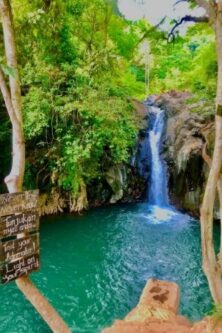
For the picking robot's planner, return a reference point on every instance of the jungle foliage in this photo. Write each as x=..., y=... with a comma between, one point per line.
x=76, y=70
x=186, y=63
x=80, y=63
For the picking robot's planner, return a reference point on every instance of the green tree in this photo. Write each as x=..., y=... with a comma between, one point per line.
x=79, y=69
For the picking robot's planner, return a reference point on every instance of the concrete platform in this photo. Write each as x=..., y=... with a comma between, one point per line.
x=157, y=312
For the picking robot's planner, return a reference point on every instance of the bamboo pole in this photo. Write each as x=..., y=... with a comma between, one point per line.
x=40, y=303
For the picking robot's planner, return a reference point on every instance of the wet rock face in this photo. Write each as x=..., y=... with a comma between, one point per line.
x=184, y=157
x=141, y=159
x=187, y=130
x=122, y=184
x=116, y=177
x=126, y=184
x=186, y=134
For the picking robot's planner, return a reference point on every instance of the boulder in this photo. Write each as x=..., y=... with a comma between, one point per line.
x=117, y=179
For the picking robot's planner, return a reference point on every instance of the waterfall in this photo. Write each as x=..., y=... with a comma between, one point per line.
x=158, y=181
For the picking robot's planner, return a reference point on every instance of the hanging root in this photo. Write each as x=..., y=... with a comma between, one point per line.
x=50, y=204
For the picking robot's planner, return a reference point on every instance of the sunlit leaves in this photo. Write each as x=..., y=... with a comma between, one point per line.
x=77, y=76
x=187, y=63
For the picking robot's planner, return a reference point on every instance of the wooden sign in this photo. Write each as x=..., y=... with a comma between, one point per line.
x=15, y=224
x=19, y=248
x=11, y=203
x=14, y=270
x=19, y=237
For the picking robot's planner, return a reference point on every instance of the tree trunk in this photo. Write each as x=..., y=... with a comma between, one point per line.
x=211, y=264
x=14, y=180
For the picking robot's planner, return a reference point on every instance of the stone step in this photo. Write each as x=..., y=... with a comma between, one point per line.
x=161, y=294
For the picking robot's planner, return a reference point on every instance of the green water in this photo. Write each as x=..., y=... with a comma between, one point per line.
x=95, y=266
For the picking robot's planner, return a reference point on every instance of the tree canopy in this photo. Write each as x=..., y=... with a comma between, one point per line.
x=81, y=63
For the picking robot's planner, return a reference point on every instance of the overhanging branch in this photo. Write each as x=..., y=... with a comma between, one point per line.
x=210, y=6
x=185, y=19
x=179, y=1
x=150, y=31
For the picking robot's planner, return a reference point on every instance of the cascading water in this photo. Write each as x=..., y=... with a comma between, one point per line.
x=157, y=195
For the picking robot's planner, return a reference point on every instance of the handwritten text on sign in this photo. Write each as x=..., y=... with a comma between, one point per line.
x=19, y=248
x=11, y=203
x=20, y=268
x=14, y=224
x=19, y=237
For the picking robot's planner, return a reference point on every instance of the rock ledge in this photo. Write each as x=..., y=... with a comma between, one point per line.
x=157, y=312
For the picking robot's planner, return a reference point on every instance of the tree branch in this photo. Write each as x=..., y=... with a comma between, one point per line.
x=7, y=99
x=147, y=33
x=210, y=6
x=205, y=156
x=187, y=18
x=208, y=160
x=11, y=55
x=179, y=1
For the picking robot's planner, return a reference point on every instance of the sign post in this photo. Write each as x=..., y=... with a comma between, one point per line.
x=19, y=235
x=19, y=251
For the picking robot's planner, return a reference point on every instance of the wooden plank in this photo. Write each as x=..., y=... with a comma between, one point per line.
x=11, y=203
x=16, y=249
x=15, y=224
x=17, y=269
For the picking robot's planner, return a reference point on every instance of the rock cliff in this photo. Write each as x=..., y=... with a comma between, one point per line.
x=189, y=128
